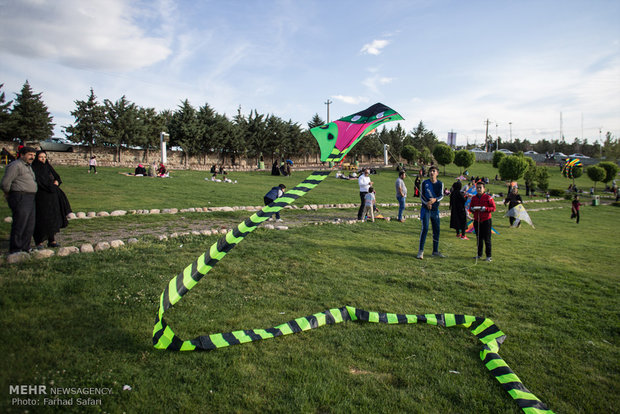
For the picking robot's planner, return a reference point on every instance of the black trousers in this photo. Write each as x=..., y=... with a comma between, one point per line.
x=23, y=207
x=483, y=234
x=269, y=201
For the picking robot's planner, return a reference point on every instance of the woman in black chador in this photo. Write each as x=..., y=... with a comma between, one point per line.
x=458, y=218
x=52, y=205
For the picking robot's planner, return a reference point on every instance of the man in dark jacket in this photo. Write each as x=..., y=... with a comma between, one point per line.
x=274, y=193
x=20, y=187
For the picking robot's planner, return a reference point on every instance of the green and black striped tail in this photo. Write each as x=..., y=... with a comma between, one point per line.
x=163, y=336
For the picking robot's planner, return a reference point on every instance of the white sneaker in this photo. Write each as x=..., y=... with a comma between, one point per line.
x=279, y=220
x=420, y=255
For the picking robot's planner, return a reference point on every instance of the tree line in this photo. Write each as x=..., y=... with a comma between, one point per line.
x=203, y=132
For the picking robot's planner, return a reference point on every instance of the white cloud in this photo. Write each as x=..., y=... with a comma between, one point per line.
x=373, y=82
x=351, y=99
x=97, y=34
x=374, y=48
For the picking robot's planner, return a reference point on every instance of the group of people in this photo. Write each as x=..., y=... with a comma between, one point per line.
x=39, y=207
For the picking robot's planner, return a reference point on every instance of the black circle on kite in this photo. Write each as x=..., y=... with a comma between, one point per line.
x=330, y=136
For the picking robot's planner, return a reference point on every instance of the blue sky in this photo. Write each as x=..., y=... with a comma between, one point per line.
x=450, y=64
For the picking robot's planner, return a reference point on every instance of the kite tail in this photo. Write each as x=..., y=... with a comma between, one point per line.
x=163, y=336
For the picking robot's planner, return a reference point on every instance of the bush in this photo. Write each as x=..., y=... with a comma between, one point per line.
x=596, y=174
x=497, y=157
x=444, y=155
x=512, y=167
x=464, y=159
x=554, y=192
x=611, y=170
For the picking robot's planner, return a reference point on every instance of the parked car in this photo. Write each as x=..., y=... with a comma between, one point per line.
x=477, y=150
x=506, y=151
x=56, y=144
x=578, y=155
x=530, y=153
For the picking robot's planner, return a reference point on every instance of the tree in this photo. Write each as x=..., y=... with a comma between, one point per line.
x=422, y=138
x=464, y=159
x=410, y=153
x=444, y=155
x=123, y=124
x=153, y=124
x=512, y=167
x=5, y=118
x=31, y=119
x=425, y=156
x=497, y=157
x=611, y=170
x=530, y=177
x=596, y=173
x=184, y=129
x=542, y=178
x=90, y=117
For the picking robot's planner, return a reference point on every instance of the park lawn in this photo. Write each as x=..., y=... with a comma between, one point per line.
x=86, y=320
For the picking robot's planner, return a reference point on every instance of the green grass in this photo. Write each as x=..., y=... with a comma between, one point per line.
x=86, y=320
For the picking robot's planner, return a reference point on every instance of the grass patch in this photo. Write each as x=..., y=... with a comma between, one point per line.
x=86, y=320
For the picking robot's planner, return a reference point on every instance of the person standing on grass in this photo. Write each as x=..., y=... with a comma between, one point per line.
x=274, y=193
x=369, y=205
x=513, y=199
x=482, y=205
x=364, y=183
x=431, y=194
x=92, y=164
x=401, y=194
x=575, y=208
x=417, y=184
x=20, y=187
x=458, y=217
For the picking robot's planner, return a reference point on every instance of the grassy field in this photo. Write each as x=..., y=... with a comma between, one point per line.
x=86, y=320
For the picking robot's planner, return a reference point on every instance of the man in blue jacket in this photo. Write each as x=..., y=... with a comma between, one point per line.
x=431, y=194
x=273, y=194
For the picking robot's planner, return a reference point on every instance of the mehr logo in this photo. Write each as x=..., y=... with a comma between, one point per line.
x=27, y=389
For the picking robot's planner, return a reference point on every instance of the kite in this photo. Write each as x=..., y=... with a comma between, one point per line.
x=470, y=228
x=335, y=140
x=520, y=214
x=569, y=167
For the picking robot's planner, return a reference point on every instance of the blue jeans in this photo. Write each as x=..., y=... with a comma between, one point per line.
x=425, y=214
x=401, y=206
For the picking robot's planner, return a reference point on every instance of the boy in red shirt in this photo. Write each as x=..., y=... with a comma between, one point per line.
x=482, y=205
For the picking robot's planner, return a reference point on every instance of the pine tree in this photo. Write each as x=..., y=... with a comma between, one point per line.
x=31, y=118
x=89, y=122
x=123, y=124
x=5, y=118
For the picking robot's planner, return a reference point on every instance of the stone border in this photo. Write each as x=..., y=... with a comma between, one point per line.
x=115, y=244
x=253, y=209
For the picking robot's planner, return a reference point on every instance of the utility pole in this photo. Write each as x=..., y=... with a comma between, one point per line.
x=510, y=123
x=328, y=103
x=486, y=137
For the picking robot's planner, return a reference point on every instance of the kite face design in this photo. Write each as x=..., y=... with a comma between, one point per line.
x=335, y=140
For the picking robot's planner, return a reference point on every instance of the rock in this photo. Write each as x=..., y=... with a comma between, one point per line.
x=17, y=257
x=174, y=210
x=102, y=246
x=183, y=210
x=117, y=213
x=71, y=216
x=132, y=211
x=133, y=240
x=165, y=211
x=269, y=226
x=43, y=254
x=163, y=237
x=154, y=211
x=66, y=251
x=205, y=232
x=91, y=214
x=80, y=215
x=227, y=209
x=191, y=210
x=281, y=227
x=8, y=219
x=185, y=233
x=223, y=231
x=103, y=214
x=196, y=233
x=175, y=234
x=86, y=248
x=115, y=244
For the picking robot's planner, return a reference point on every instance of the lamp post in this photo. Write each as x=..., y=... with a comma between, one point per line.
x=163, y=138
x=328, y=102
